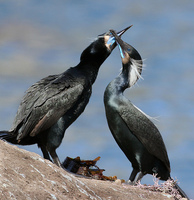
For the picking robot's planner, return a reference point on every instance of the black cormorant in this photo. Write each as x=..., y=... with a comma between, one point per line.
x=134, y=132
x=51, y=105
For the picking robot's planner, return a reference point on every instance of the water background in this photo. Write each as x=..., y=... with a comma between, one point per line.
x=39, y=38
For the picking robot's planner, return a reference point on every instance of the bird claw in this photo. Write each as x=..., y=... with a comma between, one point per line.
x=129, y=182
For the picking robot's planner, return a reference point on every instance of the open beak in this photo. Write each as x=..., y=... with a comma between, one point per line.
x=124, y=30
x=111, y=42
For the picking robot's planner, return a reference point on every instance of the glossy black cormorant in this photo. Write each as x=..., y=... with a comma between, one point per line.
x=134, y=132
x=51, y=105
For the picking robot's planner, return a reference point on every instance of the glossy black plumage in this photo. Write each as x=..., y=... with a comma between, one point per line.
x=134, y=132
x=51, y=105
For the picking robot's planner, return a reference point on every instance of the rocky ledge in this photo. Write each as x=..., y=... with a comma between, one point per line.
x=25, y=175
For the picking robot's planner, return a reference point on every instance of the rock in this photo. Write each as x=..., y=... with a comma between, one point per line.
x=25, y=175
x=118, y=182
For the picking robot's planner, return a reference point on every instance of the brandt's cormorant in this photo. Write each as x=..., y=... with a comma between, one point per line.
x=134, y=132
x=51, y=105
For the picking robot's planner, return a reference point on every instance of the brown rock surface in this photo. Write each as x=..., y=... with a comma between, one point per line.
x=25, y=175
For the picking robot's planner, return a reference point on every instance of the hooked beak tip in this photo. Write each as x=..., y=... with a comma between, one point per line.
x=120, y=33
x=111, y=43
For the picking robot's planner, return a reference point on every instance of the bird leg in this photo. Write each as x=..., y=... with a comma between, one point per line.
x=45, y=152
x=133, y=180
x=139, y=177
x=55, y=158
x=132, y=176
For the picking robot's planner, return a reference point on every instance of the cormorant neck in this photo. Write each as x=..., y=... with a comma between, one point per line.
x=92, y=58
x=119, y=84
x=90, y=70
x=122, y=80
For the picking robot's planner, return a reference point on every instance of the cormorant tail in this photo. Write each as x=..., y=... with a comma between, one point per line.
x=182, y=193
x=8, y=136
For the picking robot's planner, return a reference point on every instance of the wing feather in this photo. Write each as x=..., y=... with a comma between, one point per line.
x=145, y=130
x=45, y=102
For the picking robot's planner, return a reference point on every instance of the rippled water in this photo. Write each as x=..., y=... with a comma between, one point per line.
x=42, y=38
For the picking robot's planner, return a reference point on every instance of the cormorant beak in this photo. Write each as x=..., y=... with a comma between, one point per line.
x=124, y=30
x=122, y=47
x=124, y=55
x=110, y=40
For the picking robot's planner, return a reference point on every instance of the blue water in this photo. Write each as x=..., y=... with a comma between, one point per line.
x=47, y=37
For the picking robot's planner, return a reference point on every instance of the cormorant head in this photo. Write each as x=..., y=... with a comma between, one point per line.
x=131, y=60
x=109, y=39
x=101, y=47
